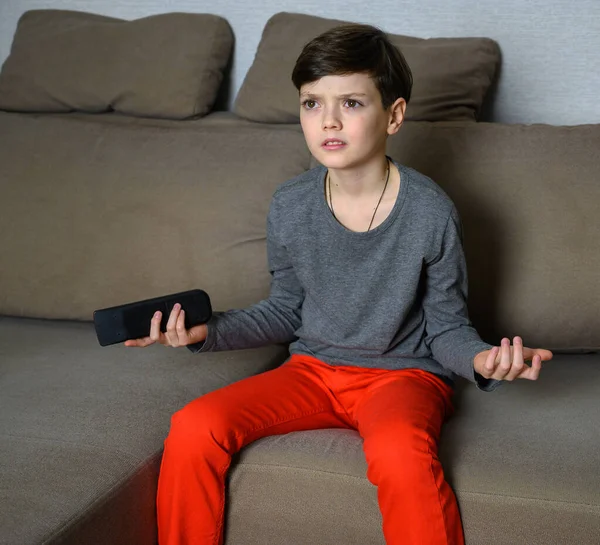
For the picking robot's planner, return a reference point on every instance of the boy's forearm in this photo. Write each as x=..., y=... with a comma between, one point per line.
x=259, y=325
x=456, y=350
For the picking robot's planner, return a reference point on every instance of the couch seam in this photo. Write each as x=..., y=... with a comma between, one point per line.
x=526, y=498
x=306, y=469
x=457, y=490
x=91, y=446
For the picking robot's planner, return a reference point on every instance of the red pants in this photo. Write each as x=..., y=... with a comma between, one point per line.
x=399, y=415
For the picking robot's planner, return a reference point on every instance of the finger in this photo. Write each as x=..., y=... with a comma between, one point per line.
x=504, y=365
x=518, y=365
x=146, y=341
x=490, y=363
x=171, y=332
x=155, y=327
x=545, y=355
x=182, y=334
x=533, y=372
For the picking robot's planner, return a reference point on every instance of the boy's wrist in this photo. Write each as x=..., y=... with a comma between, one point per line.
x=199, y=334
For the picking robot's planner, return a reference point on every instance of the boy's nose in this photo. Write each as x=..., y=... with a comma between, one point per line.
x=331, y=120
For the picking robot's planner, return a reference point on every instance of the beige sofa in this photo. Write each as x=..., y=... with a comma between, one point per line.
x=103, y=208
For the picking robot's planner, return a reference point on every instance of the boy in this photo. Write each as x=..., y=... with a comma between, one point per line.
x=369, y=285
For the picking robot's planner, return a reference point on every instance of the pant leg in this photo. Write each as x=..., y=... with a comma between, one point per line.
x=208, y=431
x=400, y=418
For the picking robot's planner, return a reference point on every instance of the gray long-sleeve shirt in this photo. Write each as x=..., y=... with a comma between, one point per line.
x=393, y=297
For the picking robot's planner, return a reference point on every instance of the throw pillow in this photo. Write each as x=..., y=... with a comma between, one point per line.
x=165, y=66
x=450, y=75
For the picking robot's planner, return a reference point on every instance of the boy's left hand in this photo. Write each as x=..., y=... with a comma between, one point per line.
x=508, y=363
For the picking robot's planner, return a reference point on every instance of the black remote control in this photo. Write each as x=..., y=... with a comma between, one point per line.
x=132, y=320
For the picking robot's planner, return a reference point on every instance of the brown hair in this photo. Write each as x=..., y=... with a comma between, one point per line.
x=354, y=48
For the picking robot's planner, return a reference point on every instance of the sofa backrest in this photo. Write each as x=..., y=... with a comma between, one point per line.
x=529, y=199
x=95, y=214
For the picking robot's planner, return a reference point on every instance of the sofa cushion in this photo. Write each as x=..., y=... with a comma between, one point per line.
x=96, y=214
x=522, y=461
x=167, y=66
x=213, y=119
x=451, y=75
x=82, y=429
x=528, y=196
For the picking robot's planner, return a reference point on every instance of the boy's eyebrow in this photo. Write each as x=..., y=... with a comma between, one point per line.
x=345, y=95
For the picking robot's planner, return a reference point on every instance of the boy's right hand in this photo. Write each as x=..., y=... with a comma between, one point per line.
x=176, y=334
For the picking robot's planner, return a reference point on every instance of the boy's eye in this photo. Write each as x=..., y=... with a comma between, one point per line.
x=352, y=103
x=309, y=104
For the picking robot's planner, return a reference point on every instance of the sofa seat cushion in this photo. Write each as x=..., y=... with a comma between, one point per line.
x=82, y=429
x=522, y=460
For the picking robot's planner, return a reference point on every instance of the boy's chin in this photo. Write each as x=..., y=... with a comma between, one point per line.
x=338, y=161
x=334, y=159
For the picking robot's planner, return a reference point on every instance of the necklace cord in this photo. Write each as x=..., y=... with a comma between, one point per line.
x=378, y=203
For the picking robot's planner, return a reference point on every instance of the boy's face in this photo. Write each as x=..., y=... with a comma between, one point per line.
x=347, y=110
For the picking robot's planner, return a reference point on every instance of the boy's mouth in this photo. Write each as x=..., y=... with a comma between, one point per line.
x=332, y=144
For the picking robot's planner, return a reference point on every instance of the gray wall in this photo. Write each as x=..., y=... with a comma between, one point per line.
x=551, y=61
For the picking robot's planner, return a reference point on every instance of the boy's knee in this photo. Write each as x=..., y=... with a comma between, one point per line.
x=197, y=423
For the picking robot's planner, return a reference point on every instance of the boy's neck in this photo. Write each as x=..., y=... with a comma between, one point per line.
x=361, y=181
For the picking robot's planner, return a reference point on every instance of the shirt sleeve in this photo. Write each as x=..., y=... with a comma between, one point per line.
x=452, y=339
x=271, y=321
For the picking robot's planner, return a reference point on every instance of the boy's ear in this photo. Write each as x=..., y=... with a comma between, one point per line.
x=397, y=110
